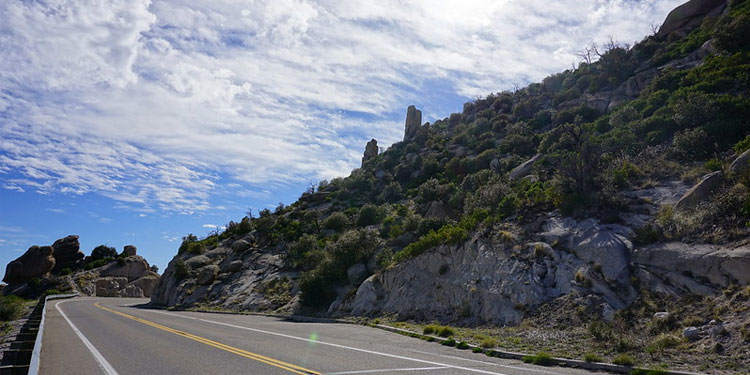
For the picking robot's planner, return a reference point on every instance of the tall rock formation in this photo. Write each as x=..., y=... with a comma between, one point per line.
x=371, y=151
x=689, y=15
x=66, y=252
x=35, y=262
x=413, y=122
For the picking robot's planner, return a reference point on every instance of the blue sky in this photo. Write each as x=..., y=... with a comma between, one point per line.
x=137, y=121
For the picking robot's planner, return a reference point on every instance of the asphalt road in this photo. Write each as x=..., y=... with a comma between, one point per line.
x=114, y=336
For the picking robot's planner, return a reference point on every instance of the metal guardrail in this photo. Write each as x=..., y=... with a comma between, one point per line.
x=37, y=351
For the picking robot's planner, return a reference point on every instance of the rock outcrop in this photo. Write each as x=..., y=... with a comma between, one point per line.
x=690, y=15
x=371, y=151
x=740, y=165
x=126, y=277
x=524, y=169
x=231, y=276
x=130, y=250
x=707, y=186
x=413, y=122
x=66, y=252
x=35, y=262
x=675, y=268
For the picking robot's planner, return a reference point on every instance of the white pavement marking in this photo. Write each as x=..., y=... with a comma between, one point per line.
x=486, y=362
x=105, y=366
x=385, y=370
x=334, y=345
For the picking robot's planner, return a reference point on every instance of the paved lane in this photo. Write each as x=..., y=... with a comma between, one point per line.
x=116, y=337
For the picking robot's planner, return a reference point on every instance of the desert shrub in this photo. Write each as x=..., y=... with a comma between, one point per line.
x=488, y=342
x=430, y=329
x=624, y=360
x=65, y=271
x=742, y=145
x=101, y=252
x=181, y=270
x=445, y=331
x=733, y=34
x=713, y=165
x=691, y=144
x=590, y=357
x=370, y=214
x=97, y=263
x=186, y=241
x=449, y=342
x=299, y=252
x=337, y=221
x=462, y=345
x=540, y=359
x=662, y=342
x=11, y=307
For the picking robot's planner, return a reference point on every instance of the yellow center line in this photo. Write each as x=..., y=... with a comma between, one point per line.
x=243, y=353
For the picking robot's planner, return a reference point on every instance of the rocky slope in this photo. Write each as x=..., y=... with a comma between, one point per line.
x=64, y=268
x=619, y=188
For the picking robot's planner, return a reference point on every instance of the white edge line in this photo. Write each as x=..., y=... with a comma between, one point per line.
x=385, y=370
x=105, y=366
x=36, y=353
x=335, y=345
x=487, y=362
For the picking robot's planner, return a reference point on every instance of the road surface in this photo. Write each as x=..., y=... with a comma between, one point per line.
x=115, y=336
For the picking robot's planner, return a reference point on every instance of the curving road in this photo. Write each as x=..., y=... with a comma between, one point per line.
x=115, y=336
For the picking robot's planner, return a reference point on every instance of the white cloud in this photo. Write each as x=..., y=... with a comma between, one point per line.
x=56, y=210
x=210, y=226
x=161, y=105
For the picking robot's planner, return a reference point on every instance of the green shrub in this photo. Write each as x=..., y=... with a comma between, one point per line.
x=713, y=165
x=181, y=270
x=445, y=331
x=50, y=292
x=449, y=342
x=462, y=345
x=654, y=371
x=589, y=357
x=98, y=263
x=742, y=145
x=337, y=221
x=624, y=360
x=186, y=241
x=11, y=307
x=541, y=359
x=488, y=342
x=370, y=214
x=430, y=329
x=102, y=251
x=663, y=342
x=65, y=271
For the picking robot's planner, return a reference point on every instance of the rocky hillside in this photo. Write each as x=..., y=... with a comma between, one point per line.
x=63, y=268
x=619, y=187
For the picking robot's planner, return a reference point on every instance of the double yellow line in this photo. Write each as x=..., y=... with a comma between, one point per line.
x=243, y=353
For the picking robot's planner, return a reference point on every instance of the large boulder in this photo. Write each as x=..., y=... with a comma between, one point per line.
x=703, y=190
x=524, y=169
x=130, y=250
x=111, y=286
x=207, y=274
x=35, y=262
x=413, y=122
x=66, y=252
x=356, y=273
x=695, y=267
x=371, y=151
x=740, y=164
x=146, y=283
x=689, y=15
x=130, y=268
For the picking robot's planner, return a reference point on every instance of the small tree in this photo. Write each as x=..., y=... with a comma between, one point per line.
x=101, y=252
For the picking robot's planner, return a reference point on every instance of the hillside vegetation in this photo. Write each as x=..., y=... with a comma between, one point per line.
x=610, y=145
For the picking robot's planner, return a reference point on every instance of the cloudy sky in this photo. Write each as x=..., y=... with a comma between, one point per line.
x=137, y=121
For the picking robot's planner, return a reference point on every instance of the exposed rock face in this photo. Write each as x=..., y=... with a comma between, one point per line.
x=689, y=15
x=130, y=268
x=130, y=250
x=371, y=151
x=674, y=268
x=128, y=277
x=701, y=191
x=413, y=122
x=524, y=169
x=66, y=252
x=436, y=211
x=35, y=262
x=356, y=273
x=207, y=274
x=740, y=165
x=242, y=275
